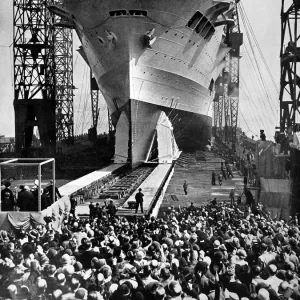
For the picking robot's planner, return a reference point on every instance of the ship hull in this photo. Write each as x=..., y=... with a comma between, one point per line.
x=174, y=74
x=192, y=131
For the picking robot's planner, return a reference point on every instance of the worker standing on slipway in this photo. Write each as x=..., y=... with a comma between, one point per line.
x=229, y=171
x=139, y=200
x=220, y=178
x=223, y=171
x=213, y=178
x=185, y=187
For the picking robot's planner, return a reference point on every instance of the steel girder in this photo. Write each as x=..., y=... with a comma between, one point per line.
x=34, y=79
x=289, y=96
x=228, y=98
x=95, y=100
x=234, y=98
x=63, y=49
x=218, y=107
x=226, y=79
x=220, y=115
x=216, y=118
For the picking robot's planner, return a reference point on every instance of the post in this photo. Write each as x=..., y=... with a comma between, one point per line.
x=53, y=178
x=39, y=187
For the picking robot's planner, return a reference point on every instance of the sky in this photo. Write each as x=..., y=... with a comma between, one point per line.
x=257, y=109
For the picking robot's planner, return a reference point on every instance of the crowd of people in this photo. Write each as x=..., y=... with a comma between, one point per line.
x=26, y=199
x=213, y=252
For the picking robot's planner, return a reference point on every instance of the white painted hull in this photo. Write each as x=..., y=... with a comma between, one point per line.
x=176, y=72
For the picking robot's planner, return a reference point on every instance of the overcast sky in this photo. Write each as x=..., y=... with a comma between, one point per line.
x=255, y=106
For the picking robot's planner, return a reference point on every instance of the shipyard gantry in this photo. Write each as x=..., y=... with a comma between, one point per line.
x=43, y=77
x=34, y=75
x=290, y=67
x=289, y=97
x=226, y=100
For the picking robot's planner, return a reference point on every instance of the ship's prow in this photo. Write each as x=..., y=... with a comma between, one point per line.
x=154, y=60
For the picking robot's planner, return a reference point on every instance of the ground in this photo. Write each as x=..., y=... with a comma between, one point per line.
x=196, y=169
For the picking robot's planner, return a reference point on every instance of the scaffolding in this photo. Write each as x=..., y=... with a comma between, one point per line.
x=34, y=78
x=43, y=76
x=63, y=48
x=95, y=100
x=236, y=41
x=226, y=99
x=289, y=96
x=290, y=58
x=218, y=108
x=234, y=93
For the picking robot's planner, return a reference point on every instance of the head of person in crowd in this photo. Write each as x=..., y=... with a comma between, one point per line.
x=189, y=253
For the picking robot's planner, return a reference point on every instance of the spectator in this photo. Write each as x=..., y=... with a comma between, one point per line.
x=7, y=198
x=92, y=210
x=202, y=253
x=111, y=208
x=273, y=280
x=231, y=196
x=25, y=199
x=45, y=199
x=57, y=193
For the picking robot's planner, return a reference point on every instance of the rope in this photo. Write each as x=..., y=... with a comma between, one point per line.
x=257, y=121
x=259, y=49
x=246, y=123
x=253, y=79
x=245, y=87
x=262, y=82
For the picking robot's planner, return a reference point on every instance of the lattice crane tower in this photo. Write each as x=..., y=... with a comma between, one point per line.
x=289, y=96
x=226, y=99
x=43, y=76
x=34, y=78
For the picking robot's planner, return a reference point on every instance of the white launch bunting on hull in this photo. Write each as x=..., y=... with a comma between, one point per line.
x=122, y=138
x=167, y=146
